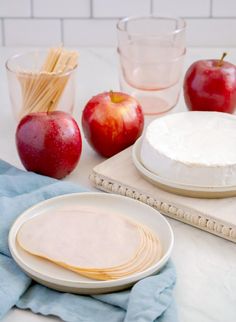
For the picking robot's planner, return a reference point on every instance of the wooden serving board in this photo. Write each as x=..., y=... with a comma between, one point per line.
x=119, y=175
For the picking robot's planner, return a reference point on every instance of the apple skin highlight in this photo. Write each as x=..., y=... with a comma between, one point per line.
x=210, y=85
x=112, y=121
x=49, y=143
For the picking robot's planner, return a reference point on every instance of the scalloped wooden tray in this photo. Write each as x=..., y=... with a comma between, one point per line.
x=119, y=175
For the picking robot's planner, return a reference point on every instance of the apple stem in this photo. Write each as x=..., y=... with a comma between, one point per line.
x=111, y=95
x=220, y=62
x=115, y=97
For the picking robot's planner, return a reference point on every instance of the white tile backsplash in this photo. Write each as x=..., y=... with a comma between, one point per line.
x=35, y=32
x=92, y=22
x=90, y=32
x=121, y=8
x=224, y=8
x=1, y=40
x=15, y=8
x=61, y=8
x=211, y=32
x=182, y=8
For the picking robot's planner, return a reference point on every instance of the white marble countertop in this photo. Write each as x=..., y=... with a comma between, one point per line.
x=206, y=264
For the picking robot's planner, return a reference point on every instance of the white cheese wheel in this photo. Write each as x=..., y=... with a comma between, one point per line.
x=192, y=148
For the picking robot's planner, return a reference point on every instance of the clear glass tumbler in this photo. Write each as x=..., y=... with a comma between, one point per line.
x=34, y=91
x=151, y=51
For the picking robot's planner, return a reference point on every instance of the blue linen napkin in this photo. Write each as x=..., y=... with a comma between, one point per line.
x=148, y=300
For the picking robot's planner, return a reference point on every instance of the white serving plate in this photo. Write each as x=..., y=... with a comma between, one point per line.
x=178, y=188
x=58, y=278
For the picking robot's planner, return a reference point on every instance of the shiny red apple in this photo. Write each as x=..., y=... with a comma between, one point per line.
x=49, y=143
x=112, y=121
x=210, y=85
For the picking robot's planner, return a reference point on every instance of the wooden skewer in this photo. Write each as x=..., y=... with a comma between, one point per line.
x=42, y=90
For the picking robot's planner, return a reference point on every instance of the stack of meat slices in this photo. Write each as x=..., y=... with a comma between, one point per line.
x=101, y=246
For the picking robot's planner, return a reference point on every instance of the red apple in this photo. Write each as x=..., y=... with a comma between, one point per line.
x=210, y=85
x=49, y=143
x=112, y=121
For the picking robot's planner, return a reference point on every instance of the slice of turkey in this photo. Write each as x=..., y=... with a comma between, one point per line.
x=81, y=238
x=147, y=255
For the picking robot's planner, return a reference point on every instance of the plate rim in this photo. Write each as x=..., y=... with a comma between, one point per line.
x=87, y=284
x=166, y=182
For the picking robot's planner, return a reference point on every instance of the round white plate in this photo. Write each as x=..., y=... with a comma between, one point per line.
x=178, y=188
x=58, y=278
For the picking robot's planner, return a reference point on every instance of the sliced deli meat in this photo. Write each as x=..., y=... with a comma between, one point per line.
x=97, y=245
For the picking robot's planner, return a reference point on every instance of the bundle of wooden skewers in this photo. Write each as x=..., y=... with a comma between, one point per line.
x=42, y=90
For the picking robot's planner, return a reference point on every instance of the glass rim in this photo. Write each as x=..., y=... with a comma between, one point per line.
x=17, y=70
x=133, y=18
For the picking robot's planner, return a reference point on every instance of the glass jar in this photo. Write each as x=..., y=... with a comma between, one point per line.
x=33, y=90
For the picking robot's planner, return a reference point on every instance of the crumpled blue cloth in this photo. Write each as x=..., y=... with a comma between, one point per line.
x=148, y=300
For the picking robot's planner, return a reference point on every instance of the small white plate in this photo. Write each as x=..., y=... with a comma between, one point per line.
x=58, y=278
x=178, y=188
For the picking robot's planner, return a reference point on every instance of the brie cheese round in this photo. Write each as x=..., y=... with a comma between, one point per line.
x=193, y=148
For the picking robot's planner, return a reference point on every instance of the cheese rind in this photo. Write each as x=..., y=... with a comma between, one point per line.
x=193, y=148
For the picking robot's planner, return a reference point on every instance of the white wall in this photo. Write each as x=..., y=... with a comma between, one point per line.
x=92, y=22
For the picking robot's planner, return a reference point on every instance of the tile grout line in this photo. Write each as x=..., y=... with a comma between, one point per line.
x=91, y=8
x=109, y=18
x=31, y=8
x=3, y=33
x=151, y=7
x=62, y=31
x=211, y=8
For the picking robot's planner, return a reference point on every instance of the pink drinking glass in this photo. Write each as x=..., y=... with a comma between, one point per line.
x=151, y=51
